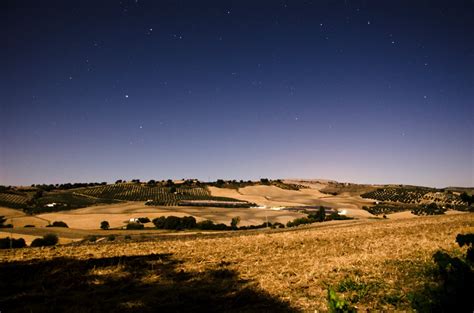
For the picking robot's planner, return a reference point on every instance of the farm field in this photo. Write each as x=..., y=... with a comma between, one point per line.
x=375, y=264
x=270, y=199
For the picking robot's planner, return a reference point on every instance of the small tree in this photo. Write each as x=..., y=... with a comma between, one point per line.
x=235, y=222
x=47, y=240
x=466, y=198
x=58, y=224
x=2, y=221
x=135, y=226
x=321, y=214
x=104, y=225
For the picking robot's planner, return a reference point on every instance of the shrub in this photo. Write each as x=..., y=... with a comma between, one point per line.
x=456, y=278
x=38, y=242
x=58, y=224
x=205, y=225
x=127, y=237
x=26, y=226
x=234, y=222
x=50, y=239
x=110, y=237
x=7, y=242
x=47, y=240
x=135, y=226
x=336, y=304
x=91, y=238
x=144, y=220
x=278, y=225
x=104, y=225
x=174, y=222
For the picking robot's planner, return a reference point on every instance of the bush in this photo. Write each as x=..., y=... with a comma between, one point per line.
x=104, y=225
x=27, y=226
x=278, y=225
x=7, y=242
x=38, y=242
x=456, y=278
x=50, y=239
x=91, y=238
x=174, y=222
x=110, y=237
x=58, y=224
x=135, y=226
x=234, y=222
x=144, y=220
x=47, y=240
x=336, y=304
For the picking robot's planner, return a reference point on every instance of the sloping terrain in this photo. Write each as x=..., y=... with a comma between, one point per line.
x=380, y=265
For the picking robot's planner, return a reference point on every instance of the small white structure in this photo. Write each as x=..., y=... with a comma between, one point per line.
x=51, y=205
x=134, y=220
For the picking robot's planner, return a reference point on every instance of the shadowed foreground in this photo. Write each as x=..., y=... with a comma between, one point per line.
x=128, y=284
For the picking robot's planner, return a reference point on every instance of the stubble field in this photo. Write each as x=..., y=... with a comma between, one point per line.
x=375, y=264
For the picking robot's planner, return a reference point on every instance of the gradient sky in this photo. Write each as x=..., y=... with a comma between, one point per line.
x=360, y=91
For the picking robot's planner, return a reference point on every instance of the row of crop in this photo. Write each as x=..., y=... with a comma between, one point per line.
x=12, y=200
x=158, y=195
x=396, y=195
x=380, y=209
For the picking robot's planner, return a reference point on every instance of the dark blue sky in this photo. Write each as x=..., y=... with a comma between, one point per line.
x=362, y=91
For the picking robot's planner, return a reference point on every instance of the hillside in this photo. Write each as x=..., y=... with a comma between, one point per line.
x=376, y=265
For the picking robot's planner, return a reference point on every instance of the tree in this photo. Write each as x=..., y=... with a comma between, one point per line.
x=466, y=198
x=8, y=242
x=135, y=226
x=58, y=224
x=265, y=181
x=144, y=220
x=47, y=240
x=2, y=221
x=235, y=222
x=321, y=214
x=104, y=225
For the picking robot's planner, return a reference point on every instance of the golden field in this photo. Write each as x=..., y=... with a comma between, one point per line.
x=385, y=262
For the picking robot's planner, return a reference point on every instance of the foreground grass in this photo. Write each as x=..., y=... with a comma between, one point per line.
x=378, y=264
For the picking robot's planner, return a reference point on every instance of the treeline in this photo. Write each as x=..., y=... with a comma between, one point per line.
x=12, y=243
x=189, y=222
x=66, y=186
x=317, y=217
x=234, y=184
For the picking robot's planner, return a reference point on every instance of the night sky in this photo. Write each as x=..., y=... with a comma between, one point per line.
x=360, y=91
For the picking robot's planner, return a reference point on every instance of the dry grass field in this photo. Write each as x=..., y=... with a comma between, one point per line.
x=376, y=264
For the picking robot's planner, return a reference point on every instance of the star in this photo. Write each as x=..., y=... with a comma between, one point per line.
x=70, y=77
x=126, y=96
x=368, y=22
x=141, y=127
